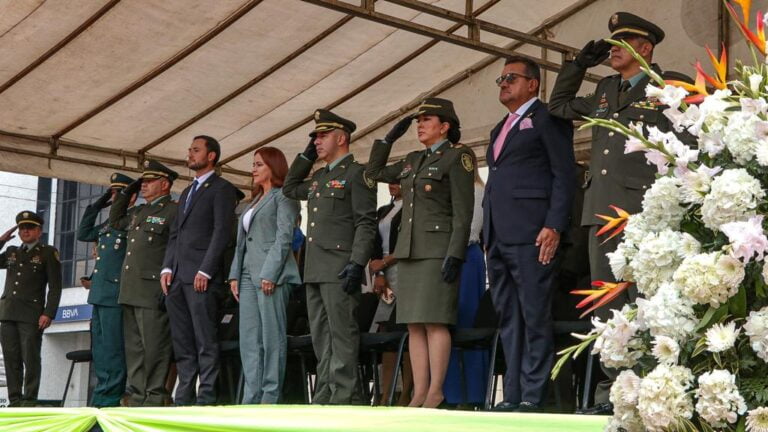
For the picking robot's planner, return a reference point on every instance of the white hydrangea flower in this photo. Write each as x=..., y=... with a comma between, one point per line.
x=619, y=258
x=661, y=204
x=665, y=349
x=617, y=341
x=721, y=337
x=756, y=328
x=695, y=184
x=667, y=313
x=719, y=402
x=657, y=258
x=757, y=419
x=624, y=393
x=709, y=278
x=733, y=197
x=637, y=229
x=664, y=397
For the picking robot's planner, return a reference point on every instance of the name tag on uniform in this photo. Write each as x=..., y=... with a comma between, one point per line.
x=155, y=220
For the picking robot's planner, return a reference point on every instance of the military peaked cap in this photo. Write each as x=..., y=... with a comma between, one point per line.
x=28, y=218
x=154, y=169
x=624, y=24
x=326, y=120
x=118, y=180
x=438, y=107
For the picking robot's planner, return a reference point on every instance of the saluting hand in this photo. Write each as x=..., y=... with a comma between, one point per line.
x=547, y=241
x=399, y=129
x=235, y=290
x=9, y=234
x=311, y=151
x=593, y=53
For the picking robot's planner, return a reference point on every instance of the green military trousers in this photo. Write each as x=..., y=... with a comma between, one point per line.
x=147, y=355
x=336, y=340
x=108, y=355
x=21, y=343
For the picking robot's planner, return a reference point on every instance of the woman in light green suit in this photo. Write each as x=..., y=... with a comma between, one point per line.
x=262, y=276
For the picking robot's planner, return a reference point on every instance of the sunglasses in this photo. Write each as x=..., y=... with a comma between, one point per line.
x=510, y=78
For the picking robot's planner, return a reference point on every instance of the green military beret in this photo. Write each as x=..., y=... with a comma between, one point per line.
x=154, y=169
x=326, y=120
x=28, y=218
x=625, y=24
x=118, y=180
x=438, y=107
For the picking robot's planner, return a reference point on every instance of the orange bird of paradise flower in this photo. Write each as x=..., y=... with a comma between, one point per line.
x=617, y=224
x=757, y=39
x=605, y=292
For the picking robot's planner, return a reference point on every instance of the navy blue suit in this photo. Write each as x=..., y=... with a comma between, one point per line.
x=529, y=187
x=198, y=239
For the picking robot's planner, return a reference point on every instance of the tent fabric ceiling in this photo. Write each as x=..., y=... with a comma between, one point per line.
x=97, y=100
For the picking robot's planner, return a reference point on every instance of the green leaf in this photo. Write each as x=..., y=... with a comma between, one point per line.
x=760, y=287
x=737, y=305
x=742, y=425
x=712, y=316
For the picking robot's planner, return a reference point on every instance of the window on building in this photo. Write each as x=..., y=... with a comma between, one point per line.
x=76, y=257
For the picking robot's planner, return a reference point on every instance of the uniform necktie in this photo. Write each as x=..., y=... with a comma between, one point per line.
x=499, y=143
x=625, y=86
x=189, y=196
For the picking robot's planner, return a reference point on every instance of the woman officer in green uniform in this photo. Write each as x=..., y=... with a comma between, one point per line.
x=438, y=194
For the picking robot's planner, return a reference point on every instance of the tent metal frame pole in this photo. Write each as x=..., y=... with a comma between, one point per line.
x=61, y=44
x=551, y=22
x=125, y=155
x=405, y=60
x=434, y=33
x=262, y=76
x=176, y=58
x=450, y=15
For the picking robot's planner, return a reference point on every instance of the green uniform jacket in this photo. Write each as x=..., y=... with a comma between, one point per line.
x=438, y=196
x=148, y=232
x=110, y=252
x=615, y=178
x=28, y=274
x=341, y=226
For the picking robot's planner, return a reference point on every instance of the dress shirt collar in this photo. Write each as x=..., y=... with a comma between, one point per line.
x=333, y=164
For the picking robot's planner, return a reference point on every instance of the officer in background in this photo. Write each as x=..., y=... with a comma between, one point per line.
x=24, y=311
x=341, y=231
x=107, y=321
x=145, y=321
x=616, y=178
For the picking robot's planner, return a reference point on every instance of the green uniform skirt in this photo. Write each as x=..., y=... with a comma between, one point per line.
x=422, y=295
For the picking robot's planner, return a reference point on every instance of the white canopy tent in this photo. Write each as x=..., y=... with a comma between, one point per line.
x=92, y=86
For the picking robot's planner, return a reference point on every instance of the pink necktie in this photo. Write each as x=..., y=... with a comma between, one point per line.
x=499, y=144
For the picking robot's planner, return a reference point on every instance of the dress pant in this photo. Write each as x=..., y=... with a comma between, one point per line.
x=194, y=321
x=600, y=269
x=147, y=355
x=521, y=290
x=336, y=341
x=21, y=343
x=263, y=340
x=108, y=355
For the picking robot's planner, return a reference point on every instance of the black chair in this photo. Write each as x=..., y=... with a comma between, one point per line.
x=81, y=356
x=374, y=344
x=301, y=346
x=483, y=336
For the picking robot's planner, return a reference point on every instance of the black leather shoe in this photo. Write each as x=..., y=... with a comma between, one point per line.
x=528, y=407
x=599, y=409
x=505, y=407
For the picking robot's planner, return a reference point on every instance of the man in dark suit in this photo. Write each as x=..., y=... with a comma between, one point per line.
x=526, y=207
x=194, y=273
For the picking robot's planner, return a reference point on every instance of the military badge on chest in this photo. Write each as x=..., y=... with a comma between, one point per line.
x=336, y=184
x=312, y=189
x=12, y=258
x=406, y=170
x=36, y=260
x=602, y=105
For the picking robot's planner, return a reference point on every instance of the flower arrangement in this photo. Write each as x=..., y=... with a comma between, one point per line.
x=694, y=346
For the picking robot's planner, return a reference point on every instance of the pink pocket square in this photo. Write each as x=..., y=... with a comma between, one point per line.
x=526, y=123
